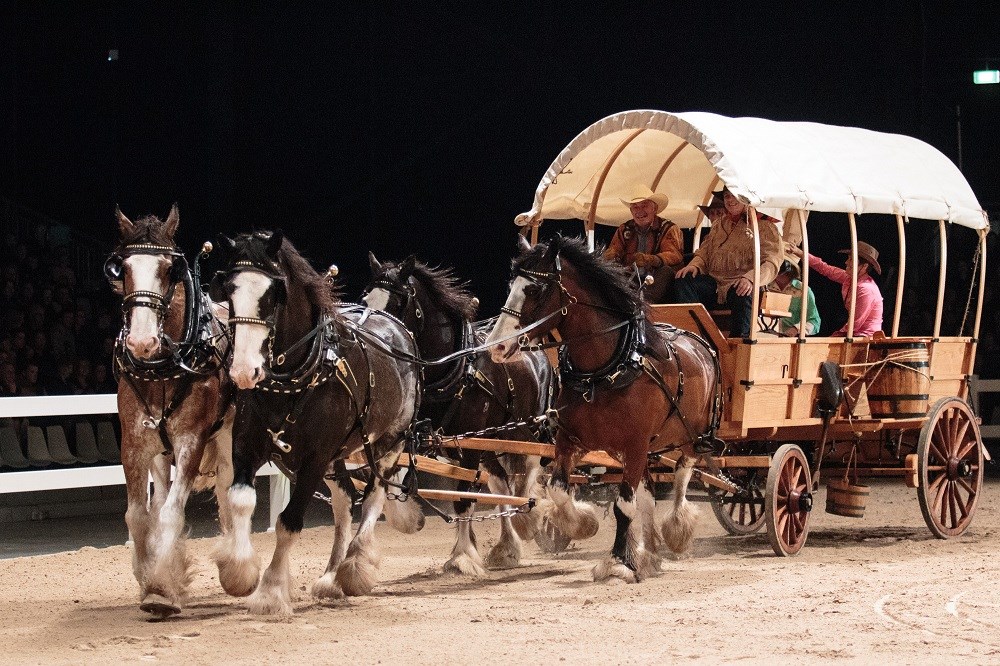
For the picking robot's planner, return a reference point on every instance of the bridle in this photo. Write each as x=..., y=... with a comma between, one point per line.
x=142, y=298
x=273, y=272
x=406, y=292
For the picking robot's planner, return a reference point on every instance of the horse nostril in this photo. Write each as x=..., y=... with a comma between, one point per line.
x=256, y=374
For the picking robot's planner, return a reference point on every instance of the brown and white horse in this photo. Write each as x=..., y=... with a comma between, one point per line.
x=469, y=394
x=172, y=402
x=627, y=387
x=316, y=386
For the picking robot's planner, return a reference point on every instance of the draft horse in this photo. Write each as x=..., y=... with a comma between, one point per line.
x=468, y=394
x=315, y=386
x=627, y=387
x=174, y=402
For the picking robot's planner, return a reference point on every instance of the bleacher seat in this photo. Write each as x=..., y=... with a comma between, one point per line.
x=107, y=442
x=55, y=436
x=86, y=443
x=10, y=449
x=38, y=450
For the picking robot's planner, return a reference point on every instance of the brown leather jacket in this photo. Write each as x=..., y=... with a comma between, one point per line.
x=663, y=238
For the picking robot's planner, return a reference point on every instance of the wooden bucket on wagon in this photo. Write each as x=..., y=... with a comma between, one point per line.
x=899, y=382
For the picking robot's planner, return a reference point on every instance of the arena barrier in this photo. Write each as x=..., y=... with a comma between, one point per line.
x=51, y=478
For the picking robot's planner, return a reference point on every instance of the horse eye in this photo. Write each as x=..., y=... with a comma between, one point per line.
x=531, y=290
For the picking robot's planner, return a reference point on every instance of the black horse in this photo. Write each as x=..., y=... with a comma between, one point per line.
x=468, y=394
x=316, y=386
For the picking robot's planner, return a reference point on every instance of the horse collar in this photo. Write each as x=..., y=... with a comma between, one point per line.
x=624, y=367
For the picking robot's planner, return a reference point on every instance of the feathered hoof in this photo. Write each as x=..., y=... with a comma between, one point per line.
x=406, y=517
x=465, y=564
x=613, y=569
x=678, y=528
x=357, y=576
x=326, y=587
x=238, y=577
x=158, y=606
x=648, y=563
x=505, y=555
x=269, y=603
x=528, y=524
x=576, y=520
x=550, y=539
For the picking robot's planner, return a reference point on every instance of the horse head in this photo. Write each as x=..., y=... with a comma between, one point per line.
x=146, y=268
x=392, y=288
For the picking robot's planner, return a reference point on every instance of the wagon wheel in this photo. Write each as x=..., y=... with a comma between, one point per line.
x=949, y=467
x=788, y=500
x=740, y=513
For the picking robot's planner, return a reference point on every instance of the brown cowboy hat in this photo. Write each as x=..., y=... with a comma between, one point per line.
x=639, y=193
x=718, y=202
x=867, y=254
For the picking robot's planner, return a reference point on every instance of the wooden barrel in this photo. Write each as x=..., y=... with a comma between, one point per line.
x=846, y=499
x=900, y=382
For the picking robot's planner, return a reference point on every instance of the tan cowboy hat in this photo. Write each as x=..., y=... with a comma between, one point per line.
x=790, y=265
x=868, y=254
x=639, y=193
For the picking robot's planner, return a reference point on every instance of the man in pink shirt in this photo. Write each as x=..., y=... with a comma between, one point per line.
x=868, y=312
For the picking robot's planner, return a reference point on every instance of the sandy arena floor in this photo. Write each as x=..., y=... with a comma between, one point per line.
x=878, y=589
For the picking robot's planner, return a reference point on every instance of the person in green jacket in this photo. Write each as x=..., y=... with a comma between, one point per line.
x=787, y=282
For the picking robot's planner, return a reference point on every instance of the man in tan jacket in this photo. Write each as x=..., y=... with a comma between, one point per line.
x=721, y=271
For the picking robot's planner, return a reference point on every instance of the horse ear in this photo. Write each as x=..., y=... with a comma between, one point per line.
x=226, y=244
x=274, y=243
x=522, y=244
x=173, y=219
x=124, y=224
x=373, y=263
x=406, y=267
x=553, y=249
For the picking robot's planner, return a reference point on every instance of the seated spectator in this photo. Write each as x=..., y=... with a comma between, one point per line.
x=59, y=383
x=722, y=269
x=868, y=310
x=62, y=338
x=29, y=381
x=649, y=242
x=8, y=380
x=787, y=282
x=103, y=381
x=80, y=381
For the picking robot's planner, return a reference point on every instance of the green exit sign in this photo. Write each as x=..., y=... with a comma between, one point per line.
x=983, y=76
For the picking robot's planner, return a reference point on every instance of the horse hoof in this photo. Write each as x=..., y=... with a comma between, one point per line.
x=550, y=540
x=465, y=565
x=158, y=606
x=504, y=556
x=614, y=569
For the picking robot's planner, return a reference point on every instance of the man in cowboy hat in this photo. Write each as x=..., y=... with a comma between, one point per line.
x=787, y=282
x=721, y=271
x=653, y=244
x=868, y=312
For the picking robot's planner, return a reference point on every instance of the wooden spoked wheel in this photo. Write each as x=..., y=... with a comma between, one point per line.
x=949, y=467
x=740, y=513
x=788, y=500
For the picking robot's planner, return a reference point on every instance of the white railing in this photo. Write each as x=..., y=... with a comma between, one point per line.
x=105, y=475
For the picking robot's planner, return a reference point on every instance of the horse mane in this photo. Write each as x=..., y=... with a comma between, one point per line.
x=446, y=291
x=148, y=229
x=612, y=281
x=320, y=293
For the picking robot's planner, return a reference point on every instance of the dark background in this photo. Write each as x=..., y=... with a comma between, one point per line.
x=425, y=128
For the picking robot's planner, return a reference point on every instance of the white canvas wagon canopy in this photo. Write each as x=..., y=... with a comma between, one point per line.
x=772, y=165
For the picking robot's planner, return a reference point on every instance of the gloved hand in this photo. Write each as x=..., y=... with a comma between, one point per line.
x=643, y=260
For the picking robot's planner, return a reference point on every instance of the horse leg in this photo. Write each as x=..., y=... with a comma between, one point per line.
x=273, y=595
x=137, y=458
x=160, y=471
x=341, y=493
x=223, y=442
x=506, y=554
x=575, y=519
x=357, y=573
x=629, y=559
x=465, y=558
x=406, y=517
x=239, y=567
x=170, y=573
x=678, y=525
x=525, y=471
